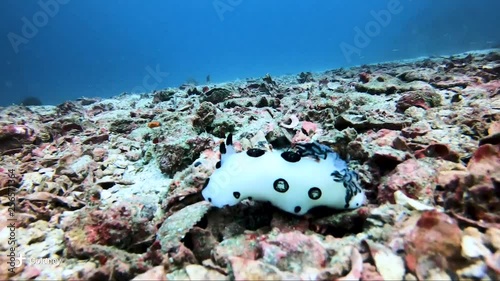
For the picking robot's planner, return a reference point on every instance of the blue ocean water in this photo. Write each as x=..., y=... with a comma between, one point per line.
x=65, y=49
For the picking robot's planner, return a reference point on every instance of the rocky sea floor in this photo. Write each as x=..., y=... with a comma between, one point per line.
x=110, y=189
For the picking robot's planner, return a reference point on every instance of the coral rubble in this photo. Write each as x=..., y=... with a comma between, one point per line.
x=109, y=189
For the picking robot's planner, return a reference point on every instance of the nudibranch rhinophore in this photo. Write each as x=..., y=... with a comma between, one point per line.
x=295, y=181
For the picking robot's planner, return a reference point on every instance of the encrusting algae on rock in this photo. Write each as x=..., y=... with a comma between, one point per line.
x=115, y=187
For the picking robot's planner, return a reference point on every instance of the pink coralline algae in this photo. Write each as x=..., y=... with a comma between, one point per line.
x=118, y=226
x=16, y=130
x=438, y=150
x=293, y=251
x=13, y=137
x=413, y=177
x=472, y=195
x=434, y=242
x=309, y=127
x=423, y=99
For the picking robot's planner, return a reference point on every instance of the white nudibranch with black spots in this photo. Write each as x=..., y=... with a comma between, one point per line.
x=294, y=181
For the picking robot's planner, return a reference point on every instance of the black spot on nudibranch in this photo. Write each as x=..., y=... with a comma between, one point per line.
x=255, y=152
x=209, y=199
x=229, y=139
x=218, y=165
x=236, y=194
x=297, y=209
x=291, y=156
x=222, y=148
x=206, y=182
x=314, y=193
x=281, y=185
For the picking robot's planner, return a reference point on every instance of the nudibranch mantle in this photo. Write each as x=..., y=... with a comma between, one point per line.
x=294, y=181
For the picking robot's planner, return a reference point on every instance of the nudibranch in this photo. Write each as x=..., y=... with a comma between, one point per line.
x=295, y=181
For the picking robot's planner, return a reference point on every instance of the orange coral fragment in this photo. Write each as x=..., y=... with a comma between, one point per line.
x=154, y=124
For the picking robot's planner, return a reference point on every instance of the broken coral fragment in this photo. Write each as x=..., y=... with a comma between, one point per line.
x=175, y=227
x=486, y=161
x=388, y=264
x=293, y=122
x=435, y=241
x=404, y=200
